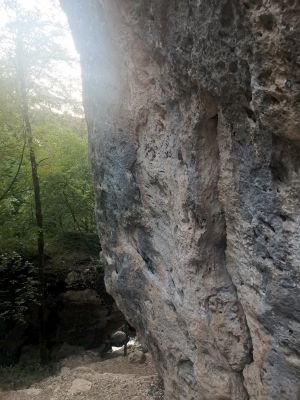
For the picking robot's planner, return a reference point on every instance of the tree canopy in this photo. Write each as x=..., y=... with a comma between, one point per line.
x=58, y=130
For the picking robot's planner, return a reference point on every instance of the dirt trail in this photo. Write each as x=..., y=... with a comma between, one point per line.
x=86, y=377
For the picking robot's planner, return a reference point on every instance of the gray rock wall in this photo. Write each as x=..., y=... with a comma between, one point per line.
x=193, y=114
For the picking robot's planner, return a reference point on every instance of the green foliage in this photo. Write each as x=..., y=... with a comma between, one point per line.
x=45, y=184
x=60, y=138
x=19, y=289
x=66, y=184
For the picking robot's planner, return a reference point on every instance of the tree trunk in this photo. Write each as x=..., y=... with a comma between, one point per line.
x=37, y=197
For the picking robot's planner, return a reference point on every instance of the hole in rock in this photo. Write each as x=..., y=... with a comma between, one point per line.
x=250, y=113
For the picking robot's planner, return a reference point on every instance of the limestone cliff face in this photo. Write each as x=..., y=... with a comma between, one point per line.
x=193, y=118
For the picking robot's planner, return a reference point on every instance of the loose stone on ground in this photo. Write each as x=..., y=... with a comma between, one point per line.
x=86, y=377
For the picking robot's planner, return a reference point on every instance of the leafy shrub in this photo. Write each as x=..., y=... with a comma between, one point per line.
x=19, y=289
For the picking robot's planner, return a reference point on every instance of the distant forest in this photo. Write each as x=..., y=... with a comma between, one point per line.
x=46, y=196
x=43, y=138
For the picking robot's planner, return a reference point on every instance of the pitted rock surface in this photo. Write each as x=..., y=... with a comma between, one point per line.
x=193, y=116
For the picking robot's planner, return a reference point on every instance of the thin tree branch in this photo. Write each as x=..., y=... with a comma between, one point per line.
x=2, y=197
x=44, y=159
x=71, y=211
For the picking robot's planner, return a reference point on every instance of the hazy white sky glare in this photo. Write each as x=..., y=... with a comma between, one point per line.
x=51, y=10
x=48, y=8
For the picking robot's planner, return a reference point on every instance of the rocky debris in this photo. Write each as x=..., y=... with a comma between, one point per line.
x=193, y=115
x=85, y=377
x=137, y=357
x=80, y=386
x=30, y=393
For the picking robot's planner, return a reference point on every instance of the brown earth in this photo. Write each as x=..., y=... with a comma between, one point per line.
x=86, y=377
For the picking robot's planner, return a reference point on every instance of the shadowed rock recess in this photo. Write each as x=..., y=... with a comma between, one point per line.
x=193, y=116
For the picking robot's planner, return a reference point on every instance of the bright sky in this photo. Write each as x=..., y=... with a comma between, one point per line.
x=52, y=11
